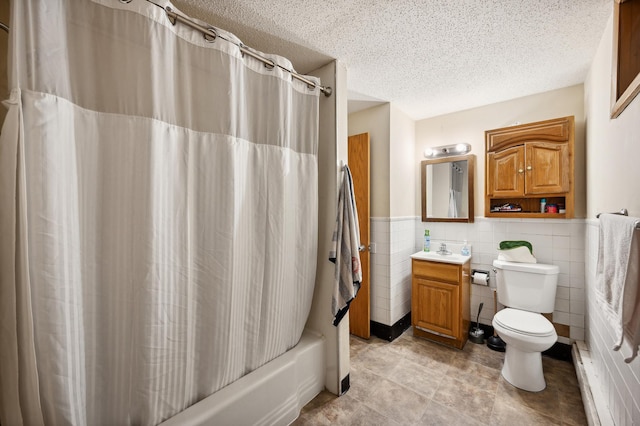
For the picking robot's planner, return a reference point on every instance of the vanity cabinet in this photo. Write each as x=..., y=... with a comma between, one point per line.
x=529, y=162
x=440, y=300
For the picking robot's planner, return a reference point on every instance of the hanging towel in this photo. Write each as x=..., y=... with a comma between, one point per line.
x=618, y=280
x=344, y=252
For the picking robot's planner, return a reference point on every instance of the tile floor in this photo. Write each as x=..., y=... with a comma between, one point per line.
x=412, y=381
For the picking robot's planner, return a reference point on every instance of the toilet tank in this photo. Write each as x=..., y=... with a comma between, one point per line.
x=526, y=286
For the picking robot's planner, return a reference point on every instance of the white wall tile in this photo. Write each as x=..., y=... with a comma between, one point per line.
x=577, y=294
x=561, y=229
x=562, y=318
x=576, y=333
x=563, y=305
x=563, y=292
x=577, y=320
x=561, y=242
x=561, y=254
x=577, y=255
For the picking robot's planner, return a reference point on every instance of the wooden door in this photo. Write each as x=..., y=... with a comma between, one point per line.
x=547, y=170
x=505, y=177
x=360, y=309
x=437, y=308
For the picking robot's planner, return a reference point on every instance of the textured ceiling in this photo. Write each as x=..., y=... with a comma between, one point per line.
x=427, y=57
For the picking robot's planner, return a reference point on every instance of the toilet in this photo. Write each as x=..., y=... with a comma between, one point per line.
x=526, y=289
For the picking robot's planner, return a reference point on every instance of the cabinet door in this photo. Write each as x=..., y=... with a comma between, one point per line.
x=547, y=168
x=505, y=170
x=437, y=308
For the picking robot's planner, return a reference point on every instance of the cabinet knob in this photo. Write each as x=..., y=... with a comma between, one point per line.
x=520, y=171
x=528, y=167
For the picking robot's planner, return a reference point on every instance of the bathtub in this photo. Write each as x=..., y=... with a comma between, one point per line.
x=271, y=395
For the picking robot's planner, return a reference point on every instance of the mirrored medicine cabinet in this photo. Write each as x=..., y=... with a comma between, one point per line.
x=447, y=189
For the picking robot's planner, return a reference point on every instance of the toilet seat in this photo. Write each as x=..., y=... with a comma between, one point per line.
x=524, y=322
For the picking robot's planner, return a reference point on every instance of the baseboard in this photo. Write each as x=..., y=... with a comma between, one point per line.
x=345, y=384
x=595, y=403
x=391, y=332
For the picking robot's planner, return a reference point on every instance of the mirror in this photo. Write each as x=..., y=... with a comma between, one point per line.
x=447, y=189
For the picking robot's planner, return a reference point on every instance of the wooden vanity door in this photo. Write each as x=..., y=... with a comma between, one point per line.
x=438, y=310
x=505, y=173
x=547, y=168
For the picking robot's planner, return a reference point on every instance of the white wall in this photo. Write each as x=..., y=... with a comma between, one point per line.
x=376, y=121
x=332, y=148
x=613, y=176
x=401, y=151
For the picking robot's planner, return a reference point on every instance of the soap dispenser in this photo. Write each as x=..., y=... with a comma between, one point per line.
x=427, y=241
x=465, y=249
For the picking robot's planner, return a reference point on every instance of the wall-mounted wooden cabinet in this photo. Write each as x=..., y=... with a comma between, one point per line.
x=440, y=300
x=527, y=163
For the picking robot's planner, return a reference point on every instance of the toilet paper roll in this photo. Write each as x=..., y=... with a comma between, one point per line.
x=480, y=278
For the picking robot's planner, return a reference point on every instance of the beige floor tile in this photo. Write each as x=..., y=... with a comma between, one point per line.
x=468, y=399
x=473, y=373
x=334, y=411
x=419, y=378
x=413, y=381
x=362, y=382
x=546, y=401
x=378, y=360
x=440, y=415
x=507, y=413
x=399, y=403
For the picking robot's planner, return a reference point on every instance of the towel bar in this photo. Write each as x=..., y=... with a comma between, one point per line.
x=623, y=212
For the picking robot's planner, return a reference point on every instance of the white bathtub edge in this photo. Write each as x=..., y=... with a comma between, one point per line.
x=271, y=395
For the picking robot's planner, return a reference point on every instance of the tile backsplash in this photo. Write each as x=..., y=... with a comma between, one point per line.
x=559, y=242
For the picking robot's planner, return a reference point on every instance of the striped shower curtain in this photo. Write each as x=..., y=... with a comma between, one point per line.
x=158, y=229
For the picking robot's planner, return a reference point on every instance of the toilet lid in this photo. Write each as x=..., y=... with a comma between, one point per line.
x=524, y=322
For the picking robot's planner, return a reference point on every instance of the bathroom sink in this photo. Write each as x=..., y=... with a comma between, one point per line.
x=436, y=257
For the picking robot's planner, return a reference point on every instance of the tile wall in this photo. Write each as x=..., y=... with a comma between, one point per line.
x=391, y=268
x=560, y=242
x=618, y=380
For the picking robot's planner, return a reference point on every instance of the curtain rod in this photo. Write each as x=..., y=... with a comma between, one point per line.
x=210, y=35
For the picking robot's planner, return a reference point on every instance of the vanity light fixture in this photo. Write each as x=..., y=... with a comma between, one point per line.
x=447, y=150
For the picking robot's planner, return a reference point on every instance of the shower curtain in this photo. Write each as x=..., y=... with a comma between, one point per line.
x=455, y=190
x=158, y=229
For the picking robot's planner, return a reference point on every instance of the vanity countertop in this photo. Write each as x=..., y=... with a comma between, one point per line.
x=433, y=256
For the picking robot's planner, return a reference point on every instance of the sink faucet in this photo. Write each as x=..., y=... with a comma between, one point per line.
x=443, y=249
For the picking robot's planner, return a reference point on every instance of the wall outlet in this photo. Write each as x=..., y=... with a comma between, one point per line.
x=372, y=247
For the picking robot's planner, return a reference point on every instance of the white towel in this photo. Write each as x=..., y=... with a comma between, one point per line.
x=618, y=280
x=344, y=252
x=517, y=254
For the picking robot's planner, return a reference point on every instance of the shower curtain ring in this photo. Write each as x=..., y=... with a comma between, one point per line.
x=171, y=15
x=210, y=35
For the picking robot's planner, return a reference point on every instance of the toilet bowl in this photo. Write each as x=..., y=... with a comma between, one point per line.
x=526, y=290
x=527, y=335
